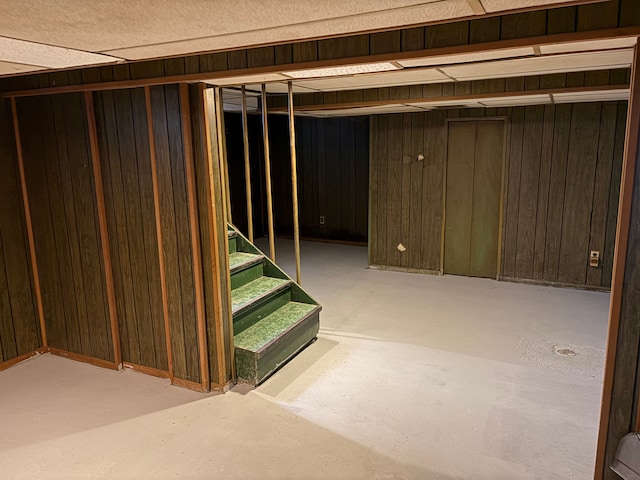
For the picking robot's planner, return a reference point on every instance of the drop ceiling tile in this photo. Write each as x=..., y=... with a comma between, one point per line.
x=376, y=80
x=542, y=65
x=591, y=45
x=246, y=79
x=19, y=51
x=519, y=100
x=468, y=57
x=7, y=68
x=595, y=96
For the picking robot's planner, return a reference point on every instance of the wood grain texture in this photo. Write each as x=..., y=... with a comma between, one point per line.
x=58, y=170
x=129, y=200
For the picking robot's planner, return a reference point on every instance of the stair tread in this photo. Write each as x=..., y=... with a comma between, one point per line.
x=258, y=288
x=273, y=325
x=238, y=259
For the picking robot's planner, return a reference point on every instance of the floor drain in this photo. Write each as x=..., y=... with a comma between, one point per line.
x=565, y=352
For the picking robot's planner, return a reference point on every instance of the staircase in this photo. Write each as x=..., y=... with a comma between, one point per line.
x=273, y=317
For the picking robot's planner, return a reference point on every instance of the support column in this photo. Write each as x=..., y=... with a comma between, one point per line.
x=267, y=173
x=247, y=165
x=294, y=181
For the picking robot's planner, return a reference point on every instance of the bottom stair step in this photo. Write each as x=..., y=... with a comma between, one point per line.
x=265, y=346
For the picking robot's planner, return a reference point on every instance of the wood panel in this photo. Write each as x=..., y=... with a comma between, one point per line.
x=128, y=189
x=19, y=322
x=176, y=234
x=60, y=181
x=333, y=171
x=557, y=156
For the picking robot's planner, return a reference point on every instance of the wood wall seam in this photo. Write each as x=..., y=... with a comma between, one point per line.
x=27, y=213
x=156, y=204
x=195, y=235
x=102, y=222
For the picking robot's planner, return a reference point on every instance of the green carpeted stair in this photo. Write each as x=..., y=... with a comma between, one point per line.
x=273, y=317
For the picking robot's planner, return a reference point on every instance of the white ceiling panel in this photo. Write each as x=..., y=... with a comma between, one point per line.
x=595, y=96
x=591, y=45
x=247, y=79
x=468, y=57
x=519, y=100
x=20, y=51
x=7, y=68
x=542, y=65
x=376, y=80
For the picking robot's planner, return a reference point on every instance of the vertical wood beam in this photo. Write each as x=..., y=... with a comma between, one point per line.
x=218, y=268
x=222, y=152
x=247, y=165
x=27, y=215
x=195, y=236
x=156, y=205
x=267, y=173
x=102, y=221
x=619, y=260
x=294, y=181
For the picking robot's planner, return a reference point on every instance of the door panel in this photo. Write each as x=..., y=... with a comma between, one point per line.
x=458, y=214
x=472, y=209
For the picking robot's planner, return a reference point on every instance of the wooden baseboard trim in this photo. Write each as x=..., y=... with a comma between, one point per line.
x=195, y=386
x=154, y=372
x=543, y=283
x=98, y=362
x=325, y=240
x=404, y=269
x=22, y=358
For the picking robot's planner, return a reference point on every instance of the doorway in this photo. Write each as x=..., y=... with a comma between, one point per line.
x=475, y=154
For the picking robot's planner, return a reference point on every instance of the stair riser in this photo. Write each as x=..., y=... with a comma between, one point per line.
x=233, y=244
x=259, y=311
x=247, y=275
x=254, y=368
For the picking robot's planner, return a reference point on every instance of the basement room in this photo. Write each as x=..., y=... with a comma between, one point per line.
x=392, y=240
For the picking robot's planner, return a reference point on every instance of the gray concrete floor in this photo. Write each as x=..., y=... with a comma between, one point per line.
x=412, y=377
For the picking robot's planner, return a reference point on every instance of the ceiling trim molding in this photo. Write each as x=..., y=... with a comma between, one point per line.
x=387, y=57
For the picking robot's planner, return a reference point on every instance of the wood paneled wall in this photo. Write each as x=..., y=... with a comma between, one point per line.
x=128, y=193
x=154, y=191
x=176, y=234
x=561, y=196
x=60, y=185
x=19, y=323
x=333, y=171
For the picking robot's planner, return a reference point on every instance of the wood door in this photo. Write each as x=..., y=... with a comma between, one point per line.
x=472, y=208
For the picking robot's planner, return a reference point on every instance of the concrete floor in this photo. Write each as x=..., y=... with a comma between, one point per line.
x=412, y=377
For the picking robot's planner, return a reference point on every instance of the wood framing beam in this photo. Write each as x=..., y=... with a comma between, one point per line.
x=102, y=221
x=267, y=174
x=156, y=208
x=619, y=264
x=187, y=138
x=602, y=34
x=247, y=164
x=219, y=259
x=294, y=180
x=27, y=216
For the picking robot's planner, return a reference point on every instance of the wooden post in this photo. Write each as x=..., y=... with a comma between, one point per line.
x=102, y=221
x=27, y=217
x=195, y=236
x=222, y=152
x=267, y=174
x=247, y=166
x=219, y=259
x=619, y=263
x=156, y=205
x=294, y=181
